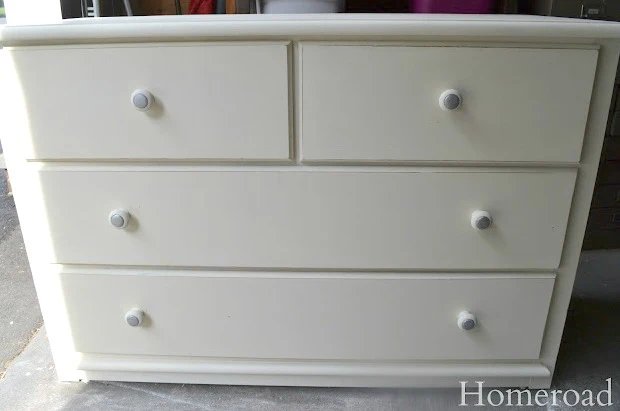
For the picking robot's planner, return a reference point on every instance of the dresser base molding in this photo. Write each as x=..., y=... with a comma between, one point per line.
x=307, y=373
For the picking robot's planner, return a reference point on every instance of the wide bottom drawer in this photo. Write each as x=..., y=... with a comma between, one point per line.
x=310, y=315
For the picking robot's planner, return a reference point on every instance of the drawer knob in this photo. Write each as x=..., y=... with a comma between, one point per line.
x=467, y=321
x=481, y=220
x=134, y=317
x=142, y=99
x=450, y=100
x=119, y=218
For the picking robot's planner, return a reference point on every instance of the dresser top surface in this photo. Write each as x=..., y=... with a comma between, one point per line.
x=410, y=27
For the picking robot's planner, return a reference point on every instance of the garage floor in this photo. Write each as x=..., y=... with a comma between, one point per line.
x=20, y=317
x=590, y=353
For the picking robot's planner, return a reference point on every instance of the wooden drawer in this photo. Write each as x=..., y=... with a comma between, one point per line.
x=381, y=103
x=310, y=316
x=211, y=101
x=301, y=219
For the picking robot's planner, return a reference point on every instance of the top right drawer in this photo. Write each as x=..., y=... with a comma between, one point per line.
x=384, y=103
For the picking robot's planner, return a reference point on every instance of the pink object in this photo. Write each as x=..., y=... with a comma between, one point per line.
x=451, y=6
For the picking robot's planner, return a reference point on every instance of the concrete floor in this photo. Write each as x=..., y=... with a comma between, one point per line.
x=590, y=353
x=19, y=310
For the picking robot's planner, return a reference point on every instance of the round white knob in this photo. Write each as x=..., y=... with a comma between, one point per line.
x=119, y=218
x=142, y=99
x=450, y=100
x=466, y=321
x=481, y=220
x=134, y=317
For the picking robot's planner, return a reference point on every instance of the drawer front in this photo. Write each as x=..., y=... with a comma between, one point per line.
x=382, y=103
x=303, y=317
x=209, y=102
x=300, y=219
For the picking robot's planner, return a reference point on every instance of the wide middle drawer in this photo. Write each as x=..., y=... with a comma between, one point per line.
x=381, y=103
x=309, y=219
x=209, y=101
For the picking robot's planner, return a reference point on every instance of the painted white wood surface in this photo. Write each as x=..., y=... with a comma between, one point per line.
x=381, y=103
x=296, y=219
x=197, y=370
x=311, y=318
x=216, y=101
x=525, y=32
x=368, y=27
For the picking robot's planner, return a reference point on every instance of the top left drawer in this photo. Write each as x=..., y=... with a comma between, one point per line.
x=209, y=101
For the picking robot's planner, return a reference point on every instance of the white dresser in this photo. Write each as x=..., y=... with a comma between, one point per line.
x=393, y=200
